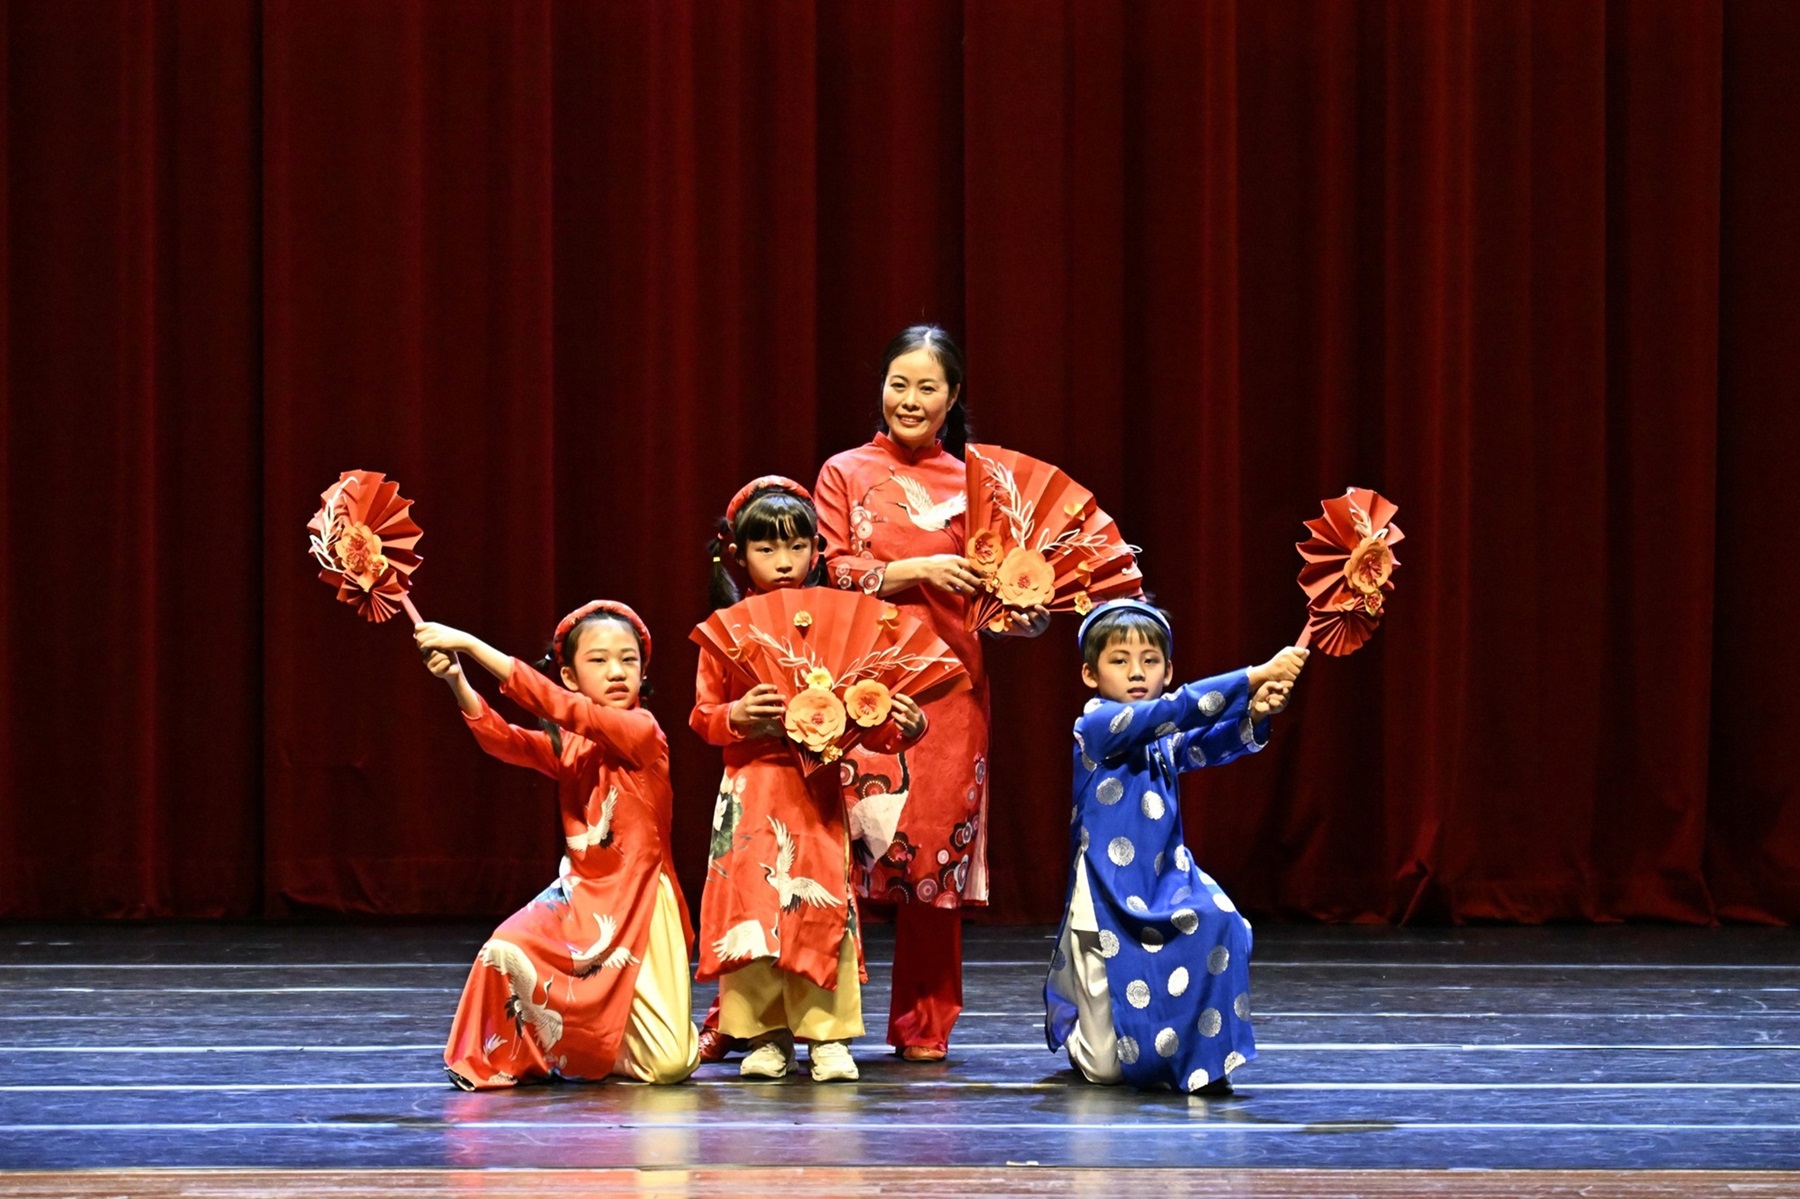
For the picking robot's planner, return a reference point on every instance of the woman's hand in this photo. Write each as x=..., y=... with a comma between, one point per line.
x=907, y=716
x=758, y=712
x=946, y=572
x=434, y=636
x=1025, y=622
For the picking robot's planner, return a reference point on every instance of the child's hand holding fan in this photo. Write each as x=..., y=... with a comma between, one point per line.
x=842, y=664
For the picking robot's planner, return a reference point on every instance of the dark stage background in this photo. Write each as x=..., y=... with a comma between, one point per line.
x=574, y=271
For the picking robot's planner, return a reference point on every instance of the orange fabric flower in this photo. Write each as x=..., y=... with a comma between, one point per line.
x=359, y=549
x=814, y=718
x=984, y=551
x=1369, y=565
x=1025, y=579
x=868, y=702
x=803, y=620
x=1084, y=603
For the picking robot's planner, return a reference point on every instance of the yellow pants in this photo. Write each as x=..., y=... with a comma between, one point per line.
x=761, y=997
x=660, y=1044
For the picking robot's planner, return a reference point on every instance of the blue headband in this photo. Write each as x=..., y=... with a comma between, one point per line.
x=1125, y=605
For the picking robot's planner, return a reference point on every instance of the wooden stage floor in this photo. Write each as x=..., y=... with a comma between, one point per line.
x=244, y=1059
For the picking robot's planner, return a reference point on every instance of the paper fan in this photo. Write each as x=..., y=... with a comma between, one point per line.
x=1036, y=537
x=1349, y=564
x=363, y=538
x=837, y=657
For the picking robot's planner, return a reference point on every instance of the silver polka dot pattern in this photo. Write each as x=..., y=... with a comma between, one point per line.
x=1136, y=903
x=1211, y=1022
x=1233, y=1060
x=1186, y=920
x=1157, y=863
x=1091, y=704
x=1127, y=1050
x=1151, y=940
x=1247, y=733
x=1167, y=1042
x=1241, y=1006
x=1121, y=851
x=1137, y=993
x=1217, y=960
x=1165, y=728
x=1109, y=943
x=1196, y=755
x=1182, y=894
x=1197, y=1079
x=1223, y=902
x=1212, y=703
x=1088, y=763
x=1082, y=844
x=1154, y=807
x=1110, y=791
x=1178, y=981
x=1120, y=722
x=1184, y=861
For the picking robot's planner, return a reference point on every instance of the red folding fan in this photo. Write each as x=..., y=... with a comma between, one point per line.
x=1349, y=564
x=363, y=539
x=837, y=657
x=1036, y=537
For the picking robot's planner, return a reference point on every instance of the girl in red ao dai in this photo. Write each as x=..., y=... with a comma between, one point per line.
x=589, y=979
x=778, y=924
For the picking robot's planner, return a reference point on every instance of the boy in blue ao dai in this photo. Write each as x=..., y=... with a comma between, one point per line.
x=1150, y=980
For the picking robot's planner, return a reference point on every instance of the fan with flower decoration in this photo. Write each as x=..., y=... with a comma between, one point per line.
x=1035, y=536
x=837, y=657
x=363, y=539
x=1349, y=564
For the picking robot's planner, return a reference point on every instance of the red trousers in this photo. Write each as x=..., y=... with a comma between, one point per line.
x=927, y=977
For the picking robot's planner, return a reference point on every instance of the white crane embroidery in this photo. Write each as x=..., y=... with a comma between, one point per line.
x=919, y=508
x=597, y=834
x=791, y=892
x=745, y=939
x=521, y=976
x=595, y=957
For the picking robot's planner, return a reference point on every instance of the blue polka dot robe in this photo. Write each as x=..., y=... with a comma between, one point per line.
x=1177, y=953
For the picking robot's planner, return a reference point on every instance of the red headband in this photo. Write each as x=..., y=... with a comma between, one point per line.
x=611, y=608
x=749, y=489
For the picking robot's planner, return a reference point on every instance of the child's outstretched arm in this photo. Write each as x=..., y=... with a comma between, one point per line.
x=1272, y=682
x=632, y=732
x=1213, y=712
x=509, y=743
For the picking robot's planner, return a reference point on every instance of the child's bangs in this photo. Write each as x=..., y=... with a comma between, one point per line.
x=1126, y=625
x=775, y=516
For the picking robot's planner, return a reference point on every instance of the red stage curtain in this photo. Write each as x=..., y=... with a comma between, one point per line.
x=572, y=272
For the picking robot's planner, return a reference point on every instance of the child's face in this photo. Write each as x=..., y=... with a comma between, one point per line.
x=774, y=563
x=606, y=665
x=1130, y=668
x=915, y=399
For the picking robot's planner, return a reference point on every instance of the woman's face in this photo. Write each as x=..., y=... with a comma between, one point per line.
x=915, y=399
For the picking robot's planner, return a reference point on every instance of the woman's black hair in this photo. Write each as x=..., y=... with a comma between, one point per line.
x=548, y=666
x=770, y=514
x=956, y=430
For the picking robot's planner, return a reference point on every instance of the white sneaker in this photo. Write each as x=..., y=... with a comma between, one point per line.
x=771, y=1059
x=831, y=1062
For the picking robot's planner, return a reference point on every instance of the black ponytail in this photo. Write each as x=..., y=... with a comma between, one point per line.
x=546, y=666
x=721, y=590
x=956, y=431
